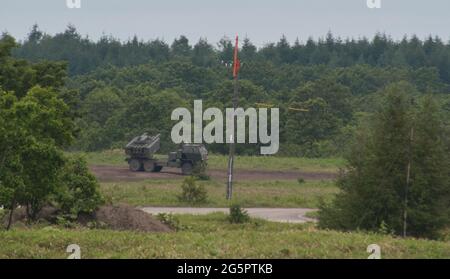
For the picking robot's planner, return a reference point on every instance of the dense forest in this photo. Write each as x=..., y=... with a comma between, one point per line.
x=118, y=89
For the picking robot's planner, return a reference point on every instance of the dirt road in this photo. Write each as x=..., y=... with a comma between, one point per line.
x=119, y=173
x=284, y=215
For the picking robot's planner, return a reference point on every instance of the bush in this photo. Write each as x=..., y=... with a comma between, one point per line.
x=238, y=215
x=65, y=221
x=79, y=190
x=192, y=192
x=199, y=171
x=171, y=221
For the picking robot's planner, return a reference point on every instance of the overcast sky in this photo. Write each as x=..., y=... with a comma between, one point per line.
x=261, y=20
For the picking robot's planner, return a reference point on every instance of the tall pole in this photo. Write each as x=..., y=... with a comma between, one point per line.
x=236, y=67
x=232, y=142
x=408, y=182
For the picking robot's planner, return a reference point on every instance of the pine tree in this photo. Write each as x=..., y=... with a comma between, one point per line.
x=373, y=187
x=429, y=195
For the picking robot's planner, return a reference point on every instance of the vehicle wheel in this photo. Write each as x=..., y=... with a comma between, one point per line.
x=149, y=166
x=186, y=168
x=135, y=165
x=157, y=168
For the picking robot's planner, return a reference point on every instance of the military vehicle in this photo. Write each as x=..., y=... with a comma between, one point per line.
x=141, y=150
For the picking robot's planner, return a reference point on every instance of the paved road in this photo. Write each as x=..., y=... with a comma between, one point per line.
x=285, y=215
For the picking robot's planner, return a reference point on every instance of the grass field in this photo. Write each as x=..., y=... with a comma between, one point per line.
x=286, y=193
x=274, y=193
x=117, y=158
x=212, y=236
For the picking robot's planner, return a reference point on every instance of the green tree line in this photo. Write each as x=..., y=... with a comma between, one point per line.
x=120, y=89
x=85, y=55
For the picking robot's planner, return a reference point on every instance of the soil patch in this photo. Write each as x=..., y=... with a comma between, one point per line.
x=123, y=217
x=119, y=173
x=119, y=217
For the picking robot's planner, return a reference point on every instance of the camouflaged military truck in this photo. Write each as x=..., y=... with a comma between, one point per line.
x=140, y=155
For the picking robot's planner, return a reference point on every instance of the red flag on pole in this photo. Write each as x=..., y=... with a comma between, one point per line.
x=237, y=63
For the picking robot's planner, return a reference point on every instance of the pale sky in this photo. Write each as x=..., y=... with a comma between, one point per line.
x=261, y=20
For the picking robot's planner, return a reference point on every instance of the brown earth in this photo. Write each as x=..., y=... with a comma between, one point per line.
x=119, y=173
x=119, y=217
x=123, y=217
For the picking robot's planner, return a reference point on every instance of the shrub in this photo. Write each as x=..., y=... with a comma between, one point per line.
x=97, y=225
x=238, y=215
x=171, y=221
x=301, y=180
x=65, y=221
x=199, y=171
x=79, y=190
x=192, y=192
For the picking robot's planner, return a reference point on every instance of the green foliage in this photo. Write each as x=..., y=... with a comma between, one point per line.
x=65, y=221
x=203, y=54
x=34, y=128
x=192, y=192
x=7, y=43
x=373, y=187
x=123, y=117
x=35, y=125
x=172, y=221
x=79, y=190
x=327, y=108
x=384, y=229
x=19, y=76
x=97, y=225
x=430, y=57
x=122, y=86
x=101, y=104
x=238, y=215
x=199, y=171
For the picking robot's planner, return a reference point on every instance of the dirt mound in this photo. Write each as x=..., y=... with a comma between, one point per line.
x=120, y=217
x=125, y=218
